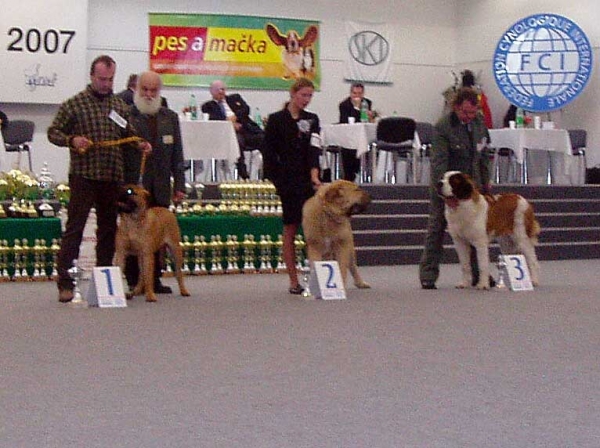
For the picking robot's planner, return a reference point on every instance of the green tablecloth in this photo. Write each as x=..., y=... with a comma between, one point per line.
x=29, y=228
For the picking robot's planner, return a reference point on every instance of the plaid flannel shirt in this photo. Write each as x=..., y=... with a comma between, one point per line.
x=87, y=115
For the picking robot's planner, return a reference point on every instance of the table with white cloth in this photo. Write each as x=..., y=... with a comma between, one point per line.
x=521, y=141
x=358, y=136
x=212, y=140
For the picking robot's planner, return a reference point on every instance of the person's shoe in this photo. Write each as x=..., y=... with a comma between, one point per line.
x=428, y=285
x=296, y=290
x=65, y=295
x=476, y=280
x=159, y=288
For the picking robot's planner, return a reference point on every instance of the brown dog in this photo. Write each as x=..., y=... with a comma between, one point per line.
x=326, y=225
x=143, y=231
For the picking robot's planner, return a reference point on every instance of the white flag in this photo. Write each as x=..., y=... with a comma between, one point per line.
x=369, y=52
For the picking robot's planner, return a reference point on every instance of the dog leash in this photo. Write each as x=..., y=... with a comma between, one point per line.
x=142, y=169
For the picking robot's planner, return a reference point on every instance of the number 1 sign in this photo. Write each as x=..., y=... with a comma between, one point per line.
x=106, y=288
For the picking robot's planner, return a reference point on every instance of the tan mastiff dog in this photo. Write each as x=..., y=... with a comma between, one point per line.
x=143, y=231
x=326, y=225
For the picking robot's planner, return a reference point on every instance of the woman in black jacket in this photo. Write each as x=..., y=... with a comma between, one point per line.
x=291, y=151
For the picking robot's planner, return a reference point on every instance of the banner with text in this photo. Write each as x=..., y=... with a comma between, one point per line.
x=369, y=56
x=43, y=51
x=243, y=51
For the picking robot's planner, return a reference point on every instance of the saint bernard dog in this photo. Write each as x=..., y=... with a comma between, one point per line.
x=475, y=219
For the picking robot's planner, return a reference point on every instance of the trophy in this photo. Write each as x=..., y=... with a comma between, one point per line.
x=305, y=269
x=76, y=273
x=38, y=252
x=215, y=246
x=231, y=246
x=281, y=267
x=186, y=248
x=249, y=244
x=265, y=255
x=299, y=251
x=54, y=249
x=501, y=284
x=18, y=260
x=4, y=249
x=203, y=247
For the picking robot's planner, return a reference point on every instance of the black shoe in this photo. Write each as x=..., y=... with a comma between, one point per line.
x=476, y=280
x=296, y=290
x=428, y=285
x=159, y=288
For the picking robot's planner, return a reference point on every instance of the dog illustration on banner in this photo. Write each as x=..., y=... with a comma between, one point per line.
x=297, y=52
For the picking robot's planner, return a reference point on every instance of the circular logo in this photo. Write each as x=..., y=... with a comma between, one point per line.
x=369, y=48
x=542, y=62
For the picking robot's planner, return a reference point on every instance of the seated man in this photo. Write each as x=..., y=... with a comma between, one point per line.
x=350, y=107
x=234, y=108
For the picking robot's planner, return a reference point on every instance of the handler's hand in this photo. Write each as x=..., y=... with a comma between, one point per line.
x=80, y=144
x=145, y=147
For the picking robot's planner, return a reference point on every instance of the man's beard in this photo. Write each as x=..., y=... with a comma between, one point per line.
x=145, y=105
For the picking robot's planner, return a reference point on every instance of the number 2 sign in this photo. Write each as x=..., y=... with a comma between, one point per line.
x=326, y=281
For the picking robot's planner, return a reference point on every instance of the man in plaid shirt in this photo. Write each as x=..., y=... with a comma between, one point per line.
x=87, y=123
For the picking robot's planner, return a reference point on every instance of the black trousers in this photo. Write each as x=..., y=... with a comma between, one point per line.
x=350, y=164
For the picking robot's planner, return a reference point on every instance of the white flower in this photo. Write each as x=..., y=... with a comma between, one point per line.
x=304, y=126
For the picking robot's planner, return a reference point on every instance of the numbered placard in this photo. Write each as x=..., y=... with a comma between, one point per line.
x=517, y=273
x=326, y=281
x=106, y=288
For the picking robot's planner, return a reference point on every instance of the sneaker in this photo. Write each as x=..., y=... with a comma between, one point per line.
x=162, y=289
x=65, y=295
x=428, y=285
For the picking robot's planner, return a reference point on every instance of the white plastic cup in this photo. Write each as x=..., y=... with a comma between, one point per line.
x=512, y=124
x=537, y=122
x=188, y=116
x=205, y=116
x=351, y=120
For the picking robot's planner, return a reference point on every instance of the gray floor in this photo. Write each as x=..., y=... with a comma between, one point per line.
x=243, y=364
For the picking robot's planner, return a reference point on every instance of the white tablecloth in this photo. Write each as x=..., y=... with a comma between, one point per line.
x=542, y=139
x=353, y=136
x=209, y=140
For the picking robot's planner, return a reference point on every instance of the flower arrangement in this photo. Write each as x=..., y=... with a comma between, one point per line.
x=16, y=184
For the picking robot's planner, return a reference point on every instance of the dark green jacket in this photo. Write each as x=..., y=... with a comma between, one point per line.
x=452, y=150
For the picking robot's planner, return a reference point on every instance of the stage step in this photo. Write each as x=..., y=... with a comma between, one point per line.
x=393, y=229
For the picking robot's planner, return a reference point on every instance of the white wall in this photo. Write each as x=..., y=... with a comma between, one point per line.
x=480, y=24
x=424, y=52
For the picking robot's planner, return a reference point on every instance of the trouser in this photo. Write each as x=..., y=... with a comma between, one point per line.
x=85, y=194
x=429, y=266
x=350, y=164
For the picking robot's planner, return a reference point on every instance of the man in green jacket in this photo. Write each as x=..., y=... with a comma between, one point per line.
x=460, y=144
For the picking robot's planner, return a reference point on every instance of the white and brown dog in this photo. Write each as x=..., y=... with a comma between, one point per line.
x=475, y=220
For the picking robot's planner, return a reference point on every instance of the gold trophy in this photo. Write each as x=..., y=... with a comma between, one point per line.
x=299, y=245
x=215, y=254
x=186, y=248
x=18, y=260
x=54, y=249
x=38, y=252
x=4, y=249
x=249, y=245
x=281, y=267
x=231, y=247
x=265, y=255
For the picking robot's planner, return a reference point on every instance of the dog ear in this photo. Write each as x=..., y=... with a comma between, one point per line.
x=462, y=186
x=310, y=36
x=274, y=34
x=332, y=194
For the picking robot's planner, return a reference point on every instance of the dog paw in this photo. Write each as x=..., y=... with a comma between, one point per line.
x=461, y=286
x=184, y=293
x=483, y=285
x=151, y=298
x=362, y=285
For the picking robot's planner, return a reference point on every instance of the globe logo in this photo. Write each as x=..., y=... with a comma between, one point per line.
x=542, y=62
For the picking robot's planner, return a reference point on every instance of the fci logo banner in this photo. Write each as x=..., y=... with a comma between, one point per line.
x=543, y=62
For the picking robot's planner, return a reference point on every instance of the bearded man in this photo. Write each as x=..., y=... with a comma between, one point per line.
x=159, y=126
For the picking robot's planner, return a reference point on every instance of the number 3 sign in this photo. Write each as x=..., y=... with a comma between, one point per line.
x=517, y=272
